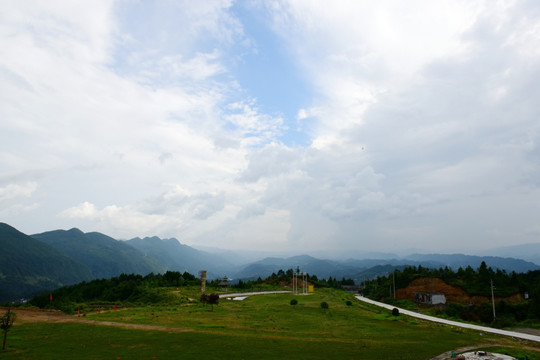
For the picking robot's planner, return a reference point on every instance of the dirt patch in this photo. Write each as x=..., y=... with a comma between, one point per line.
x=452, y=293
x=37, y=315
x=55, y=316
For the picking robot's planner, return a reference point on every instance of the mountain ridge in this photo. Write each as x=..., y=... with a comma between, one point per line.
x=30, y=266
x=105, y=257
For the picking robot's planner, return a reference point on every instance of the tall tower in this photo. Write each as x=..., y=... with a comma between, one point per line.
x=202, y=276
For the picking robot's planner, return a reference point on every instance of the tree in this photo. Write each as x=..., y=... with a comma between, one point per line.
x=212, y=299
x=6, y=321
x=324, y=305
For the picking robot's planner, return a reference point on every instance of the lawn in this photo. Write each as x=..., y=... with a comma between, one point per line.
x=262, y=327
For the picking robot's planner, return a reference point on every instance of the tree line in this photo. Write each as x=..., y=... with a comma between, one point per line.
x=285, y=278
x=126, y=288
x=152, y=289
x=473, y=282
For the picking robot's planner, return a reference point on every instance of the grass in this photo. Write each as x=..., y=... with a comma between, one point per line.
x=262, y=327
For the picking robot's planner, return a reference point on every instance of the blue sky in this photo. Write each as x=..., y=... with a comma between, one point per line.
x=279, y=125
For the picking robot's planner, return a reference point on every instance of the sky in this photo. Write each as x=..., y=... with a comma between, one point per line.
x=274, y=125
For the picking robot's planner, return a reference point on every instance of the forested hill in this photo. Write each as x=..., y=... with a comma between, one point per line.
x=106, y=257
x=517, y=295
x=30, y=266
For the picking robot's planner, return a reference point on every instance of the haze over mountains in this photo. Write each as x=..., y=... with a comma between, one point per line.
x=46, y=261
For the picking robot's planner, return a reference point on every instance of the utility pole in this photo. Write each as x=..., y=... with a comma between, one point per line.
x=394, y=281
x=492, y=299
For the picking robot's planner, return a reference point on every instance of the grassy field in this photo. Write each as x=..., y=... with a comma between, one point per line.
x=260, y=327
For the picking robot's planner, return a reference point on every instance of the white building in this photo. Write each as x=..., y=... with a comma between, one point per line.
x=429, y=298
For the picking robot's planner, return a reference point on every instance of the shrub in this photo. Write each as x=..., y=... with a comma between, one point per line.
x=395, y=311
x=294, y=302
x=324, y=305
x=348, y=303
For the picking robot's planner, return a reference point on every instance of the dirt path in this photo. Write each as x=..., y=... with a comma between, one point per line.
x=55, y=316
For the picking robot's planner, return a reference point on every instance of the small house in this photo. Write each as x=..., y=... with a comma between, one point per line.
x=429, y=298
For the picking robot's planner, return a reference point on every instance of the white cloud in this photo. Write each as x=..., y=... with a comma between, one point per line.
x=424, y=116
x=84, y=210
x=13, y=191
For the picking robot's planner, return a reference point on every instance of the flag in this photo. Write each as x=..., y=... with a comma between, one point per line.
x=50, y=297
x=99, y=309
x=114, y=307
x=79, y=312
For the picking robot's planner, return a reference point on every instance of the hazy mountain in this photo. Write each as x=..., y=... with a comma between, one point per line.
x=529, y=252
x=370, y=268
x=179, y=257
x=459, y=260
x=30, y=266
x=321, y=268
x=105, y=256
x=49, y=260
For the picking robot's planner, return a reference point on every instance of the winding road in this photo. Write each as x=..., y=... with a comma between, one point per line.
x=513, y=334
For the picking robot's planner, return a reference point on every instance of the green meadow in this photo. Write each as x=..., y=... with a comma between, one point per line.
x=259, y=327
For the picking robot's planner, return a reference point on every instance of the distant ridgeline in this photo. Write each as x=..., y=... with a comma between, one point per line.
x=50, y=260
x=54, y=259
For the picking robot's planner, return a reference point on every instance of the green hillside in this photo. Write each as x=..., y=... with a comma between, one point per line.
x=259, y=327
x=29, y=266
x=105, y=256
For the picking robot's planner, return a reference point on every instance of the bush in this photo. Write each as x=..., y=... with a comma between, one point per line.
x=294, y=302
x=348, y=303
x=324, y=305
x=395, y=311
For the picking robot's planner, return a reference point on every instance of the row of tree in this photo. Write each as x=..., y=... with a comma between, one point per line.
x=138, y=289
x=285, y=277
x=473, y=282
x=124, y=288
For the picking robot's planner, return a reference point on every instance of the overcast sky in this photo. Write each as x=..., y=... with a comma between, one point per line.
x=295, y=125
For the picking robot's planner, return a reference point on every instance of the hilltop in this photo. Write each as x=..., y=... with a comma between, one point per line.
x=29, y=266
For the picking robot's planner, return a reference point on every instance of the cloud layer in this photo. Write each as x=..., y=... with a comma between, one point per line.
x=132, y=119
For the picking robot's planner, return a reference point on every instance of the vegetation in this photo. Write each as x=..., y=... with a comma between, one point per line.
x=132, y=290
x=126, y=289
x=29, y=266
x=262, y=327
x=473, y=282
x=6, y=322
x=324, y=305
x=294, y=302
x=285, y=277
x=103, y=255
x=212, y=299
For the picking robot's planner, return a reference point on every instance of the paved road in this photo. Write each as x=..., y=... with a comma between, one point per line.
x=453, y=323
x=231, y=295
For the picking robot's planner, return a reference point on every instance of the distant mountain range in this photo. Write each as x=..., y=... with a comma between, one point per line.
x=529, y=252
x=46, y=261
x=179, y=257
x=369, y=268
